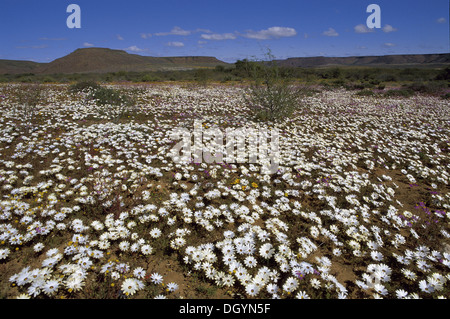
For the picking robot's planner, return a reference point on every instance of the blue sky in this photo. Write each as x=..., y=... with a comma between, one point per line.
x=229, y=30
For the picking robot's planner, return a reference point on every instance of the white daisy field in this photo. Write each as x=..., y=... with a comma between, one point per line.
x=93, y=205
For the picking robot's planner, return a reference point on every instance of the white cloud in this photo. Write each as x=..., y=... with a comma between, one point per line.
x=362, y=28
x=146, y=35
x=134, y=48
x=218, y=37
x=52, y=39
x=175, y=44
x=119, y=37
x=389, y=45
x=40, y=46
x=87, y=44
x=441, y=20
x=330, y=33
x=388, y=28
x=271, y=33
x=203, y=30
x=174, y=31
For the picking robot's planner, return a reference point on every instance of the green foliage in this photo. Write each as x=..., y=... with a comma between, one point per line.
x=104, y=95
x=148, y=78
x=271, y=96
x=365, y=92
x=443, y=75
x=427, y=88
x=48, y=79
x=108, y=96
x=406, y=92
x=84, y=86
x=348, y=77
x=201, y=76
x=445, y=96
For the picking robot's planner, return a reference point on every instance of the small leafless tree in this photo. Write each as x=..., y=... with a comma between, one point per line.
x=29, y=96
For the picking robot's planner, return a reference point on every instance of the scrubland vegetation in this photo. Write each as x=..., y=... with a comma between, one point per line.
x=93, y=206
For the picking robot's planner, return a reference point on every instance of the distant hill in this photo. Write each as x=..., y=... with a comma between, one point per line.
x=412, y=60
x=17, y=67
x=102, y=60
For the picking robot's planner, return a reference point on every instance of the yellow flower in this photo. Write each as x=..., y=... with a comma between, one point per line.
x=255, y=185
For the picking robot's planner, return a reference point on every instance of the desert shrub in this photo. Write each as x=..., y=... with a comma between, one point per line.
x=445, y=96
x=201, y=77
x=108, y=96
x=270, y=96
x=48, y=79
x=84, y=86
x=358, y=86
x=148, y=78
x=391, y=78
x=405, y=92
x=443, y=75
x=219, y=68
x=25, y=79
x=427, y=88
x=365, y=92
x=103, y=96
x=337, y=83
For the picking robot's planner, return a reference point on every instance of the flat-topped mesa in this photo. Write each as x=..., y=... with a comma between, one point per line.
x=103, y=60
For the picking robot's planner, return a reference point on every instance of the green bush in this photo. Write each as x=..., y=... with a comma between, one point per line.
x=84, y=86
x=443, y=75
x=428, y=88
x=48, y=79
x=365, y=92
x=103, y=95
x=270, y=97
x=399, y=93
x=108, y=96
x=148, y=78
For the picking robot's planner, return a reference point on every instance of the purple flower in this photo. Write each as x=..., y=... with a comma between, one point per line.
x=440, y=212
x=299, y=274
